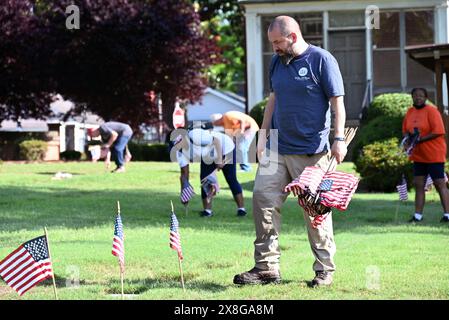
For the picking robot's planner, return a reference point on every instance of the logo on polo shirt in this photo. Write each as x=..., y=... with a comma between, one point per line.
x=303, y=71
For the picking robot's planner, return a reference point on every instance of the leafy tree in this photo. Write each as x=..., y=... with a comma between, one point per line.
x=225, y=22
x=123, y=50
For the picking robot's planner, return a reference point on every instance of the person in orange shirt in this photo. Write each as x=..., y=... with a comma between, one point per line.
x=243, y=128
x=429, y=153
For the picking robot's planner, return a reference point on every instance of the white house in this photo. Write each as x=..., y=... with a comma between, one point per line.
x=214, y=101
x=61, y=135
x=371, y=55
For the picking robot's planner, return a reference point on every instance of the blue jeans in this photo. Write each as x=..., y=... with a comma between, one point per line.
x=229, y=171
x=243, y=144
x=118, y=150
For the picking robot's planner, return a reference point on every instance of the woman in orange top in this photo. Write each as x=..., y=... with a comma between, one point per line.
x=429, y=153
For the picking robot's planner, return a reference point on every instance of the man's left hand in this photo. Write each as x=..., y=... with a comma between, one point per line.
x=339, y=150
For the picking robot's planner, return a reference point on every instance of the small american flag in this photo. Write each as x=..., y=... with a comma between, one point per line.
x=186, y=191
x=210, y=185
x=429, y=183
x=118, y=243
x=175, y=237
x=402, y=190
x=26, y=266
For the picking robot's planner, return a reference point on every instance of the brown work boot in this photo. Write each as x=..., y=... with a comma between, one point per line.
x=258, y=276
x=322, y=278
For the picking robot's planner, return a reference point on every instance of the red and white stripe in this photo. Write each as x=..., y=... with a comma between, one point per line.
x=21, y=272
x=175, y=243
x=343, y=187
x=118, y=249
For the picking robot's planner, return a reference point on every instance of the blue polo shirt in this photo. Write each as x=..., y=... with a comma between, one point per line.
x=302, y=109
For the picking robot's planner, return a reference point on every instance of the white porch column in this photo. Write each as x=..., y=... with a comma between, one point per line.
x=442, y=36
x=442, y=23
x=254, y=59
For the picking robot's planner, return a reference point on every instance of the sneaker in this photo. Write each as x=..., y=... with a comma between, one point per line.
x=119, y=170
x=206, y=214
x=444, y=219
x=241, y=213
x=258, y=276
x=322, y=278
x=413, y=219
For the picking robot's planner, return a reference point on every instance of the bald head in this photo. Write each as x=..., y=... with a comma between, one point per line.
x=284, y=25
x=285, y=36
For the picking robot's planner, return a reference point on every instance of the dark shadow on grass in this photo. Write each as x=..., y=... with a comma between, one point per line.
x=143, y=285
x=62, y=282
x=29, y=208
x=55, y=172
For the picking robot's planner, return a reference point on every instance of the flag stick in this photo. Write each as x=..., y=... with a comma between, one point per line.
x=397, y=210
x=53, y=270
x=182, y=276
x=122, y=276
x=186, y=206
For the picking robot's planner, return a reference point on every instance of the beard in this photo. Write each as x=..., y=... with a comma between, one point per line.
x=287, y=56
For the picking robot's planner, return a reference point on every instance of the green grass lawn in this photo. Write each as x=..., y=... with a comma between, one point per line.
x=378, y=256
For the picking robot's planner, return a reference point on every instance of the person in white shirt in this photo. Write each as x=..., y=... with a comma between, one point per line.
x=215, y=151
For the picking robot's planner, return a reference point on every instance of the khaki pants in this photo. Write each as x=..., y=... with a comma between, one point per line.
x=268, y=198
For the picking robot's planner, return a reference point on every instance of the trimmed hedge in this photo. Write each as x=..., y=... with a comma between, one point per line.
x=149, y=152
x=393, y=105
x=382, y=165
x=71, y=155
x=258, y=110
x=379, y=129
x=33, y=150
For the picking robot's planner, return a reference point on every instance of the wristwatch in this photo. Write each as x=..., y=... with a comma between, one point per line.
x=339, y=139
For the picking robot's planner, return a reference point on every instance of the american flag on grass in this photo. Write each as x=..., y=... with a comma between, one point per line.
x=186, y=191
x=210, y=185
x=429, y=183
x=402, y=190
x=26, y=266
x=118, y=243
x=175, y=237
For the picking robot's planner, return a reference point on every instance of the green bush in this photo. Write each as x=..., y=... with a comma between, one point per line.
x=379, y=129
x=33, y=150
x=71, y=155
x=149, y=152
x=258, y=110
x=389, y=104
x=382, y=164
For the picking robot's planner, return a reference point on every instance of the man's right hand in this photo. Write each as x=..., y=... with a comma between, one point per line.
x=261, y=145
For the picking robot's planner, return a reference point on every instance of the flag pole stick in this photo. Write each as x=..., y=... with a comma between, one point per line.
x=182, y=276
x=396, y=213
x=186, y=206
x=53, y=271
x=122, y=275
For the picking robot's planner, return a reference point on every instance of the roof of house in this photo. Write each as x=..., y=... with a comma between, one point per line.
x=59, y=108
x=428, y=54
x=230, y=97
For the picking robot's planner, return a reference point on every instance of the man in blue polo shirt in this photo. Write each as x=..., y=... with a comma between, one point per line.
x=305, y=84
